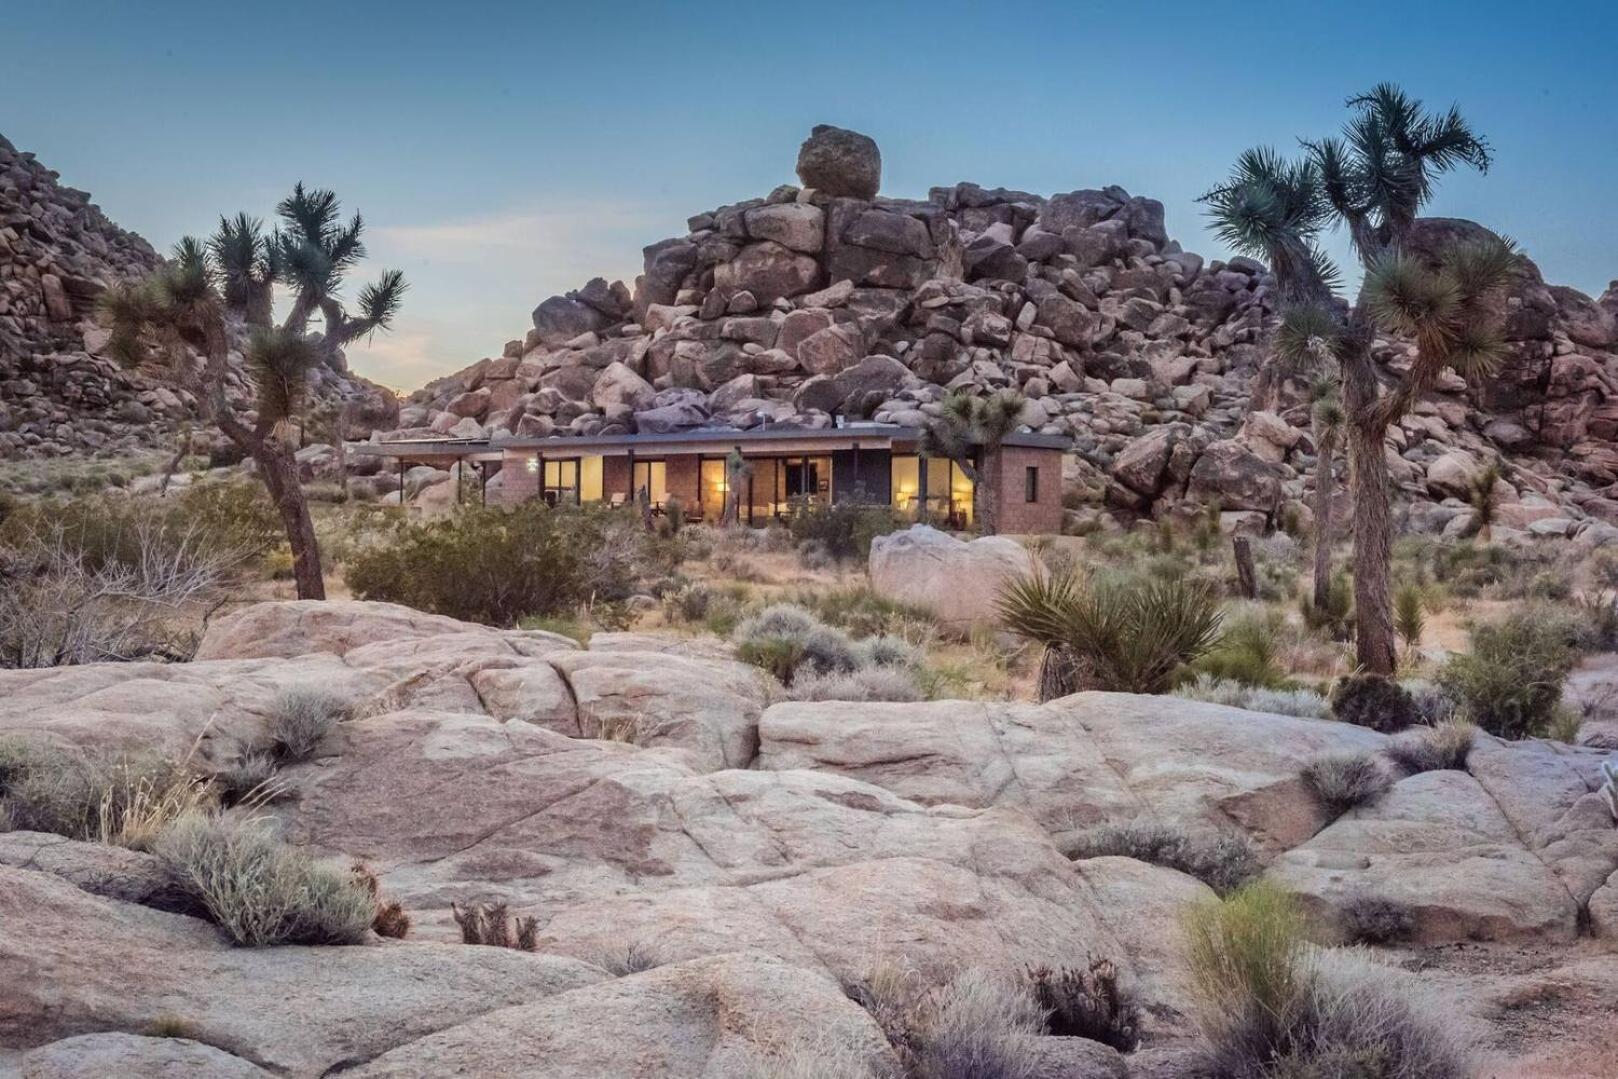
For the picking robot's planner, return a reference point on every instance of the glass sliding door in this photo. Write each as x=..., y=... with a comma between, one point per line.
x=906, y=484
x=653, y=478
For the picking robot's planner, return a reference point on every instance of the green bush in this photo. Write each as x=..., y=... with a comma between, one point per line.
x=497, y=565
x=1371, y=700
x=1246, y=955
x=845, y=529
x=1510, y=683
x=258, y=890
x=860, y=611
x=1248, y=652
x=1335, y=618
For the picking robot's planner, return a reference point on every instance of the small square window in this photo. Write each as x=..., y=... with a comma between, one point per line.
x=1030, y=484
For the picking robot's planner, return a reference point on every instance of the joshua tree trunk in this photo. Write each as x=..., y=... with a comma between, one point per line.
x=277, y=466
x=1375, y=643
x=982, y=498
x=1325, y=480
x=279, y=469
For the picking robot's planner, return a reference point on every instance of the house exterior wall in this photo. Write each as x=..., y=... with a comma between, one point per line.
x=1014, y=514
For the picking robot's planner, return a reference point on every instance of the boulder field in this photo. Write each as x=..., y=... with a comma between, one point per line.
x=708, y=867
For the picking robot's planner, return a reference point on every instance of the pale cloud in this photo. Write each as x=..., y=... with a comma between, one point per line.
x=474, y=280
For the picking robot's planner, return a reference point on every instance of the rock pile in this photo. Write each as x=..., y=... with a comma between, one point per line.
x=59, y=390
x=828, y=299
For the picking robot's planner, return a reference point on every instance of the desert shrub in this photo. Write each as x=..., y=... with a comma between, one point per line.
x=261, y=892
x=1432, y=749
x=126, y=800
x=1343, y=781
x=1371, y=700
x=843, y=530
x=253, y=780
x=1600, y=614
x=491, y=924
x=1128, y=636
x=1433, y=704
x=979, y=1026
x=863, y=613
x=1087, y=1003
x=1370, y=919
x=785, y=640
x=886, y=652
x=1335, y=617
x=1510, y=683
x=301, y=717
x=1248, y=651
x=1223, y=861
x=95, y=580
x=498, y=565
x=1246, y=958
x=875, y=683
x=1282, y=702
x=1360, y=1019
x=1468, y=568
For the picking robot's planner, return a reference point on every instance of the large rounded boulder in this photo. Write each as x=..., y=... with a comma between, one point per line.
x=840, y=163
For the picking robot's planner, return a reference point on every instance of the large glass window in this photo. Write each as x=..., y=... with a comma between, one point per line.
x=561, y=481
x=906, y=485
x=590, y=478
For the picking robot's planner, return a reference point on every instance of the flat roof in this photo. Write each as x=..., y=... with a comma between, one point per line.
x=885, y=433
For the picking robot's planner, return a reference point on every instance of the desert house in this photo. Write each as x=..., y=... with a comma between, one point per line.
x=867, y=462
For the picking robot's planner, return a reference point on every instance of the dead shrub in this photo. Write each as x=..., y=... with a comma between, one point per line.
x=300, y=719
x=1222, y=861
x=1369, y=919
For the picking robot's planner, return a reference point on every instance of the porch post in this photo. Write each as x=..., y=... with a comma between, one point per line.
x=702, y=510
x=630, y=483
x=921, y=482
x=401, y=481
x=859, y=480
x=460, y=478
x=539, y=455
x=483, y=483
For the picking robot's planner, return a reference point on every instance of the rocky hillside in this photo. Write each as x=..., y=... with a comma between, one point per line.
x=827, y=298
x=705, y=868
x=59, y=393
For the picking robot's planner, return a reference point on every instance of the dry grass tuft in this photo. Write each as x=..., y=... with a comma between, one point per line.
x=1344, y=781
x=1222, y=861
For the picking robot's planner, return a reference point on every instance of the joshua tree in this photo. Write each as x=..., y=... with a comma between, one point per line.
x=1373, y=179
x=210, y=297
x=969, y=431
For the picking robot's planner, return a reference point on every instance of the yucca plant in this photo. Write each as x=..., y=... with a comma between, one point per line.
x=1410, y=615
x=1373, y=180
x=1133, y=636
x=1485, y=501
x=969, y=430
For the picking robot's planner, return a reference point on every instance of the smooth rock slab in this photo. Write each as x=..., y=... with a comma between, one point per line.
x=958, y=581
x=132, y=1056
x=1437, y=846
x=72, y=963
x=699, y=1020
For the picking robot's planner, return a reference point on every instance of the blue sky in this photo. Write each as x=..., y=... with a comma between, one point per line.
x=505, y=152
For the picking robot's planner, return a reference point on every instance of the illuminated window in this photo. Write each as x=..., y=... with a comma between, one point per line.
x=906, y=483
